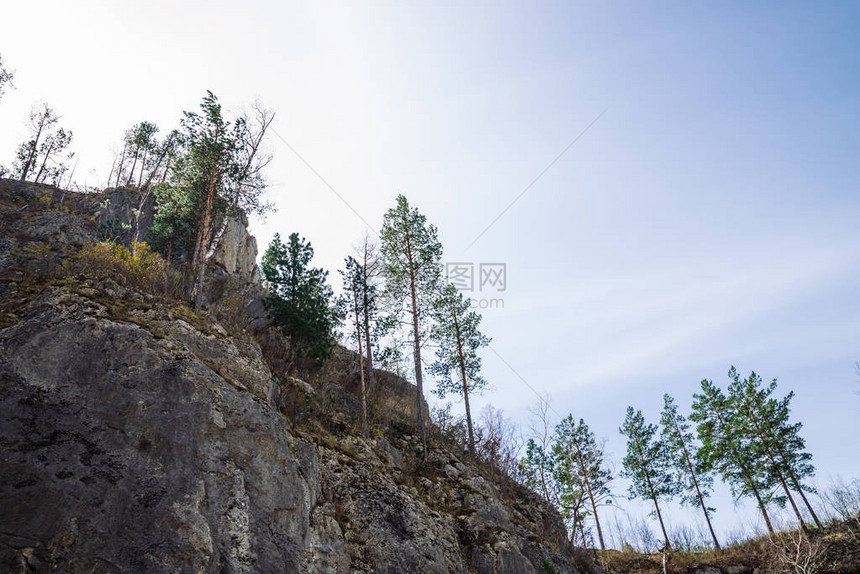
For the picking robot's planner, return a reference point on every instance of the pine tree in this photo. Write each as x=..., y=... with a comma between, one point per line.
x=580, y=467
x=412, y=257
x=646, y=464
x=173, y=226
x=455, y=332
x=726, y=450
x=765, y=423
x=219, y=165
x=693, y=482
x=141, y=138
x=536, y=469
x=300, y=304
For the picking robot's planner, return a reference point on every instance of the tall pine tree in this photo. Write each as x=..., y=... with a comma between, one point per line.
x=580, y=465
x=646, y=464
x=725, y=449
x=764, y=421
x=693, y=481
x=412, y=257
x=218, y=165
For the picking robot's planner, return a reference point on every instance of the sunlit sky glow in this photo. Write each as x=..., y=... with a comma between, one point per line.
x=708, y=218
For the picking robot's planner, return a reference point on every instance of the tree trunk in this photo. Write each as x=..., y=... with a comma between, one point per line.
x=44, y=163
x=31, y=157
x=157, y=165
x=584, y=471
x=133, y=165
x=367, y=346
x=777, y=470
x=462, y=360
x=796, y=485
x=594, y=510
x=654, y=498
x=110, y=173
x=419, y=381
x=142, y=167
x=25, y=170
x=761, y=506
x=749, y=478
x=696, y=484
x=166, y=171
x=360, y=366
x=202, y=240
x=121, y=163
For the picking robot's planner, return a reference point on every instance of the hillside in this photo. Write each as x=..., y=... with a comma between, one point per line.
x=138, y=436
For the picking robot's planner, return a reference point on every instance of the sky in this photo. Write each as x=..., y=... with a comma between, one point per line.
x=672, y=187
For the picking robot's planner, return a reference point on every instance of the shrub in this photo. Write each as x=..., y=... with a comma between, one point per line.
x=138, y=267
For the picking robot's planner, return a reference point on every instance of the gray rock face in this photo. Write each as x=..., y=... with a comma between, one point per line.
x=126, y=214
x=143, y=444
x=60, y=230
x=236, y=251
x=448, y=523
x=126, y=452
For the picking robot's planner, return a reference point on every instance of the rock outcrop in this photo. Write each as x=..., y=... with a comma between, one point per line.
x=137, y=436
x=236, y=251
x=130, y=450
x=126, y=214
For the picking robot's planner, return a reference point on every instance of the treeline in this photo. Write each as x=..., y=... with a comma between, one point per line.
x=744, y=436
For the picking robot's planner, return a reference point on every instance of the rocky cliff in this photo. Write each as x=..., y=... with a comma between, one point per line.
x=137, y=436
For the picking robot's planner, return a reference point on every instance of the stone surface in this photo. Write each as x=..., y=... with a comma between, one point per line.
x=236, y=251
x=148, y=445
x=127, y=452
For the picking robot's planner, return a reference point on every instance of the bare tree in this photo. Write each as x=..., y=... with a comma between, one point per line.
x=6, y=77
x=46, y=144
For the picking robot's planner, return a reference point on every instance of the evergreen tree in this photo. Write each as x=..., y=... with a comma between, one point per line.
x=693, y=482
x=725, y=449
x=580, y=468
x=412, y=256
x=764, y=421
x=173, y=227
x=646, y=464
x=219, y=166
x=536, y=470
x=140, y=139
x=300, y=304
x=455, y=332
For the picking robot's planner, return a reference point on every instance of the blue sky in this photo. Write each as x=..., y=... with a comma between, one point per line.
x=707, y=218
